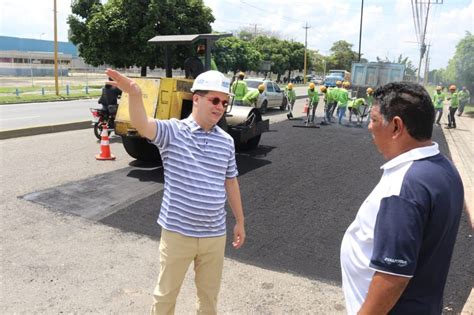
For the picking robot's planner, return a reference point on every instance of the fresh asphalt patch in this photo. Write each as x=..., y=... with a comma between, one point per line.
x=301, y=189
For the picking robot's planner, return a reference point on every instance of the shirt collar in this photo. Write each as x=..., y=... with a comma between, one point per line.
x=412, y=155
x=193, y=125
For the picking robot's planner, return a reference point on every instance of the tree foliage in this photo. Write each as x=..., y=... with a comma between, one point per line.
x=342, y=56
x=118, y=31
x=463, y=62
x=460, y=69
x=233, y=54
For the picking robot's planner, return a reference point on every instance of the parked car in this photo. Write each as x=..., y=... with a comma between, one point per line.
x=330, y=80
x=273, y=96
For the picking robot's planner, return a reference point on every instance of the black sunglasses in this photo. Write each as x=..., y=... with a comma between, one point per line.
x=216, y=100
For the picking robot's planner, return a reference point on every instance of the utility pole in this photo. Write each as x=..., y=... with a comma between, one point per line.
x=56, y=49
x=422, y=33
x=255, y=29
x=306, y=27
x=360, y=29
x=427, y=66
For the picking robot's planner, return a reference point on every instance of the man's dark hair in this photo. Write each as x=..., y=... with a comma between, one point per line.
x=409, y=101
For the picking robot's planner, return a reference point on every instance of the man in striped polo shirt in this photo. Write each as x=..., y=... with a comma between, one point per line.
x=200, y=174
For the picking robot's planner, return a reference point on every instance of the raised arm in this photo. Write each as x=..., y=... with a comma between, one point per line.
x=145, y=125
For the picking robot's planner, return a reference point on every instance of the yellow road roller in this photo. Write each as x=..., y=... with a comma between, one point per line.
x=166, y=98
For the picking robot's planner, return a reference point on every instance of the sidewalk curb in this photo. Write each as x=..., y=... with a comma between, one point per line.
x=38, y=130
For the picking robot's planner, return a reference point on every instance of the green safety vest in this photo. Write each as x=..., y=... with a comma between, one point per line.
x=239, y=89
x=438, y=99
x=369, y=100
x=251, y=96
x=464, y=95
x=454, y=100
x=291, y=94
x=342, y=97
x=313, y=96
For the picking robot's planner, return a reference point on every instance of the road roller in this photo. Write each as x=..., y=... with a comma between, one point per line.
x=168, y=97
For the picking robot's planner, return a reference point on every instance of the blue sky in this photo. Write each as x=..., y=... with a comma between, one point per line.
x=388, y=27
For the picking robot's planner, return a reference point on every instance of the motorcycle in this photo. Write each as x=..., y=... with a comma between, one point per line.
x=101, y=118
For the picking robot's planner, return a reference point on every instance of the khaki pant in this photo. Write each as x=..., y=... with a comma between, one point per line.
x=176, y=253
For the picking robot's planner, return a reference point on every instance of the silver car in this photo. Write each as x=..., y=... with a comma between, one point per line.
x=273, y=96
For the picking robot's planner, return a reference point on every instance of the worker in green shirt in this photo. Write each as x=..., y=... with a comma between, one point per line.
x=453, y=106
x=239, y=89
x=464, y=98
x=291, y=97
x=369, y=101
x=357, y=110
x=335, y=94
x=438, y=99
x=342, y=100
x=313, y=100
x=328, y=99
x=251, y=98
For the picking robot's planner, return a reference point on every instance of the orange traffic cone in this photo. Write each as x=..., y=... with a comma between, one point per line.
x=305, y=108
x=104, y=146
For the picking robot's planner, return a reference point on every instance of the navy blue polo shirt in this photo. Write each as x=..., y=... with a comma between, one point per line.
x=406, y=227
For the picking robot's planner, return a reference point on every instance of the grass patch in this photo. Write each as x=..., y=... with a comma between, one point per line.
x=34, y=98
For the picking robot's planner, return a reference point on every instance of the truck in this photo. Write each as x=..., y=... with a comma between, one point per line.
x=168, y=97
x=374, y=75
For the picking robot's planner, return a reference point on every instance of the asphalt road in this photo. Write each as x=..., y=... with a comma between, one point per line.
x=27, y=115
x=301, y=189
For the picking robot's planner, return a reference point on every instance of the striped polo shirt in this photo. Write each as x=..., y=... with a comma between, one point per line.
x=196, y=164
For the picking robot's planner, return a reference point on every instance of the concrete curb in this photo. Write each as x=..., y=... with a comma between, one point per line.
x=38, y=130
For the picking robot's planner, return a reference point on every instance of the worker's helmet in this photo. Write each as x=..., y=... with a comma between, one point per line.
x=241, y=75
x=452, y=87
x=370, y=91
x=312, y=86
x=290, y=86
x=346, y=84
x=261, y=88
x=439, y=88
x=323, y=89
x=211, y=81
x=338, y=83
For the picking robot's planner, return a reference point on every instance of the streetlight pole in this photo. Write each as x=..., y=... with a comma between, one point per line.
x=305, y=50
x=56, y=84
x=360, y=30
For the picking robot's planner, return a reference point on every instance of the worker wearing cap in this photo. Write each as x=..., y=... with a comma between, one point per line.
x=453, y=106
x=313, y=99
x=342, y=100
x=201, y=51
x=201, y=173
x=328, y=101
x=335, y=94
x=251, y=98
x=369, y=100
x=438, y=99
x=464, y=98
x=291, y=97
x=239, y=89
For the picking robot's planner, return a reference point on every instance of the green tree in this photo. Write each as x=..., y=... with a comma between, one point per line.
x=118, y=31
x=233, y=54
x=462, y=63
x=342, y=56
x=274, y=50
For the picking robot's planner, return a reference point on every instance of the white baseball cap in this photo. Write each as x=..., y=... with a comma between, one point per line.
x=211, y=81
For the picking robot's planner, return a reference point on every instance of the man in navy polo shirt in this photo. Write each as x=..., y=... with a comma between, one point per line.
x=395, y=256
x=200, y=175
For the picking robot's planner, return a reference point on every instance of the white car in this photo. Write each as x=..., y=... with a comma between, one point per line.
x=273, y=96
